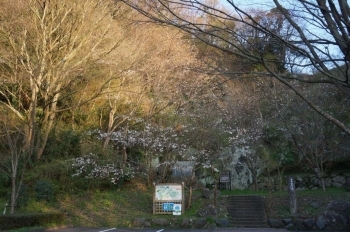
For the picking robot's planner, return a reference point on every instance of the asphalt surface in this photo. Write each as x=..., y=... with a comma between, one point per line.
x=170, y=230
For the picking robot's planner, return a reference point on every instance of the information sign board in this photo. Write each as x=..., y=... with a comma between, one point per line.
x=177, y=209
x=225, y=178
x=168, y=198
x=168, y=206
x=169, y=192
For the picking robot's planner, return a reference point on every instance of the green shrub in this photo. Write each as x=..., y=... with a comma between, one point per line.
x=62, y=144
x=44, y=190
x=4, y=184
x=14, y=221
x=23, y=197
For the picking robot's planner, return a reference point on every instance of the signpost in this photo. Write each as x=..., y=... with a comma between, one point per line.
x=225, y=181
x=168, y=199
x=292, y=196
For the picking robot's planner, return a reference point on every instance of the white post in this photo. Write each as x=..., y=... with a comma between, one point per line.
x=292, y=196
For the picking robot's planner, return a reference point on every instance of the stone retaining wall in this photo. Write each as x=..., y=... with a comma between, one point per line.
x=304, y=182
x=335, y=218
x=186, y=223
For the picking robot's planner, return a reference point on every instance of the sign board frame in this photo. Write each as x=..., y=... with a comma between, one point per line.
x=166, y=196
x=225, y=181
x=225, y=178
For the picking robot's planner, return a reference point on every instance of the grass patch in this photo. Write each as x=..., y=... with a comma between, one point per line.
x=244, y=192
x=109, y=208
x=29, y=229
x=310, y=203
x=119, y=207
x=265, y=193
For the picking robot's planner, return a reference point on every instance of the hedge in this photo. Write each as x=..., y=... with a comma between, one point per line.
x=15, y=221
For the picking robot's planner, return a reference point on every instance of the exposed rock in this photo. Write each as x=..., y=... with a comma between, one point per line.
x=314, y=181
x=315, y=204
x=339, y=179
x=287, y=221
x=309, y=223
x=337, y=215
x=290, y=226
x=299, y=224
x=210, y=226
x=174, y=223
x=337, y=185
x=308, y=182
x=209, y=194
x=327, y=182
x=160, y=222
x=147, y=224
x=275, y=223
x=320, y=223
x=186, y=223
x=222, y=222
x=208, y=210
x=200, y=223
x=139, y=222
x=347, y=185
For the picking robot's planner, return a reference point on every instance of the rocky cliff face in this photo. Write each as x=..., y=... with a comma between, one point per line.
x=241, y=176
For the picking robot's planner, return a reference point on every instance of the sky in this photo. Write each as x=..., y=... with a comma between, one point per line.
x=267, y=5
x=248, y=3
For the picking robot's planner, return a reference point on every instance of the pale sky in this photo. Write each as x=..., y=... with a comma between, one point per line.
x=249, y=3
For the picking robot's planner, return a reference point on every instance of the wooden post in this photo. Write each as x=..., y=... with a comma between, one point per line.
x=292, y=196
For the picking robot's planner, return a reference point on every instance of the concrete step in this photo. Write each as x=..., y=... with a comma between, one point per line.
x=247, y=212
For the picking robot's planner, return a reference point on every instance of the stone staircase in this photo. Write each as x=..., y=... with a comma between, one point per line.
x=247, y=212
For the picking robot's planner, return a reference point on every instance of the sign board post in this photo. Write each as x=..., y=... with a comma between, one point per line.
x=169, y=199
x=292, y=195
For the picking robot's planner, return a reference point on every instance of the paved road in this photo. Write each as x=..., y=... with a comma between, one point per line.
x=170, y=230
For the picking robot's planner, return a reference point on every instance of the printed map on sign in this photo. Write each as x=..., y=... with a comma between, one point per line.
x=168, y=192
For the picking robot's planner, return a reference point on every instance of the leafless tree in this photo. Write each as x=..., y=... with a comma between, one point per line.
x=13, y=160
x=315, y=37
x=46, y=51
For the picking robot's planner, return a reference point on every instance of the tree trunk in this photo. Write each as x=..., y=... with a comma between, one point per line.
x=322, y=184
x=190, y=194
x=13, y=194
x=280, y=177
x=256, y=184
x=45, y=137
x=30, y=130
x=47, y=124
x=215, y=193
x=110, y=127
x=124, y=156
x=255, y=180
x=150, y=171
